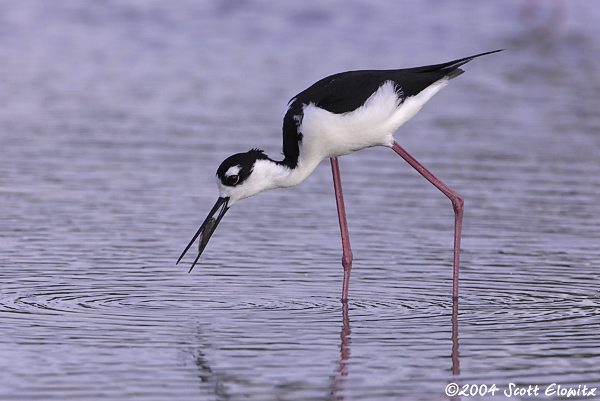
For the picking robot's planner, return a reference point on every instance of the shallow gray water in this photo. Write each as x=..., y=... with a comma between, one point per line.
x=115, y=115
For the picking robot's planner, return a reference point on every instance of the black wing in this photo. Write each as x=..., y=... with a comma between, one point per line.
x=347, y=91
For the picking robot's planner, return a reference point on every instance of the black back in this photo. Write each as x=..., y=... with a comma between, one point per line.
x=345, y=92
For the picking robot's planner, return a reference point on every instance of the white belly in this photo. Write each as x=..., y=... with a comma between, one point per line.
x=328, y=134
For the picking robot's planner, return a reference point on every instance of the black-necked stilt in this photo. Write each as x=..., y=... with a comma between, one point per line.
x=338, y=115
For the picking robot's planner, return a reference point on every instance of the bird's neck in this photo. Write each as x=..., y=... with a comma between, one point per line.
x=281, y=174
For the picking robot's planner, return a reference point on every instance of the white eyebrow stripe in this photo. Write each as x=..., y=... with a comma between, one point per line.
x=233, y=170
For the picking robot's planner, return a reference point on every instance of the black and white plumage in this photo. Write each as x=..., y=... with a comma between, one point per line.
x=338, y=115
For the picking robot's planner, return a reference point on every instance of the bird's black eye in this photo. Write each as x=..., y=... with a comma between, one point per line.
x=232, y=179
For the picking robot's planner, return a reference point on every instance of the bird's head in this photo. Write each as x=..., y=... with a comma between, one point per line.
x=238, y=177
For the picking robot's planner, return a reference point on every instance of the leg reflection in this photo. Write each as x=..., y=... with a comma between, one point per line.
x=338, y=380
x=455, y=361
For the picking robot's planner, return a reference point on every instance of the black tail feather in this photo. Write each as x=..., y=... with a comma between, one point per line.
x=452, y=66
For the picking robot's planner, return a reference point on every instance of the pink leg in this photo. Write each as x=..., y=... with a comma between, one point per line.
x=346, y=251
x=457, y=204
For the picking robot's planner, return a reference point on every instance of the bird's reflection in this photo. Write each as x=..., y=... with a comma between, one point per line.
x=338, y=380
x=209, y=378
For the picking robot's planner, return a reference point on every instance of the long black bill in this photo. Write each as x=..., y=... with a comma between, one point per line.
x=207, y=229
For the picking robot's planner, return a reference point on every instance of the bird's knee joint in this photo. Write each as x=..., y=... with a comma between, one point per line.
x=458, y=203
x=347, y=261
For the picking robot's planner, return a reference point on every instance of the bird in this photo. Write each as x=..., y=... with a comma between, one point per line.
x=338, y=115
